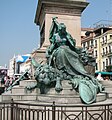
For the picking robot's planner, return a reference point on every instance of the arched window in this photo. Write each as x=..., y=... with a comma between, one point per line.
x=109, y=49
x=106, y=62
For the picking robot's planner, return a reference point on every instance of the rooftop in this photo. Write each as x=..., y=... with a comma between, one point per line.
x=102, y=24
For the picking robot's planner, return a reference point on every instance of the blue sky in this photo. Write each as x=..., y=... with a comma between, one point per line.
x=96, y=10
x=20, y=35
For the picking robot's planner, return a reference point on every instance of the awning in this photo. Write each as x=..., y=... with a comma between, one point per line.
x=22, y=58
x=104, y=73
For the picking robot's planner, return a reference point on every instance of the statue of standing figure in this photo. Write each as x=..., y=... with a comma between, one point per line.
x=66, y=62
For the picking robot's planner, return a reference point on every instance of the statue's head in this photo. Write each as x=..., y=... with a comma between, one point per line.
x=62, y=28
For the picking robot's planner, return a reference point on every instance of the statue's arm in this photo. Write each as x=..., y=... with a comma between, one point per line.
x=53, y=29
x=72, y=44
x=51, y=47
x=71, y=40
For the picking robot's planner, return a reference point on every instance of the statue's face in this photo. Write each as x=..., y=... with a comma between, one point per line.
x=62, y=28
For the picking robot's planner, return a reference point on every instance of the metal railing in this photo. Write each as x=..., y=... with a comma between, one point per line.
x=23, y=111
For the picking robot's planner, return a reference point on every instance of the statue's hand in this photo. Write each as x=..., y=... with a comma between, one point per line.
x=54, y=19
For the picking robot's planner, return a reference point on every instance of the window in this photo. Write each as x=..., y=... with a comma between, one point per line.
x=109, y=61
x=95, y=43
x=106, y=62
x=110, y=36
x=103, y=51
x=106, y=50
x=91, y=43
x=106, y=39
x=103, y=40
x=96, y=53
x=96, y=66
x=103, y=65
x=84, y=45
x=109, y=49
x=88, y=44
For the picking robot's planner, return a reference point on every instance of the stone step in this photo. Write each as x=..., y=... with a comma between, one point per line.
x=19, y=97
x=101, y=97
x=67, y=99
x=20, y=89
x=35, y=91
x=23, y=90
x=108, y=88
x=65, y=91
x=67, y=95
x=105, y=82
x=17, y=89
x=25, y=83
x=109, y=94
x=7, y=92
x=58, y=98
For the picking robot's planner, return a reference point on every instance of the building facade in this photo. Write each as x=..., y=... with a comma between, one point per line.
x=103, y=49
x=18, y=64
x=99, y=42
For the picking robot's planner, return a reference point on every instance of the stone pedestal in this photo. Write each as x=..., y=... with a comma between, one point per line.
x=39, y=56
x=66, y=96
x=67, y=11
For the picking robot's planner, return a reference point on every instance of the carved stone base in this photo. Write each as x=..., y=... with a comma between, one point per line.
x=66, y=96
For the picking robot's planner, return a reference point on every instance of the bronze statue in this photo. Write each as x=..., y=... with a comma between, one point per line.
x=66, y=62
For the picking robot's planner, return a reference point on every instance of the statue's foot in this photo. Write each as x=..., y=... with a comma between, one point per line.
x=31, y=87
x=58, y=88
x=73, y=83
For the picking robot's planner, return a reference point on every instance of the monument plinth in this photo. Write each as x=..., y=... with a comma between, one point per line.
x=67, y=11
x=65, y=59
x=65, y=62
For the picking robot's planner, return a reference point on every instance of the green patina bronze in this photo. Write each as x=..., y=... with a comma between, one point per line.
x=16, y=82
x=66, y=62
